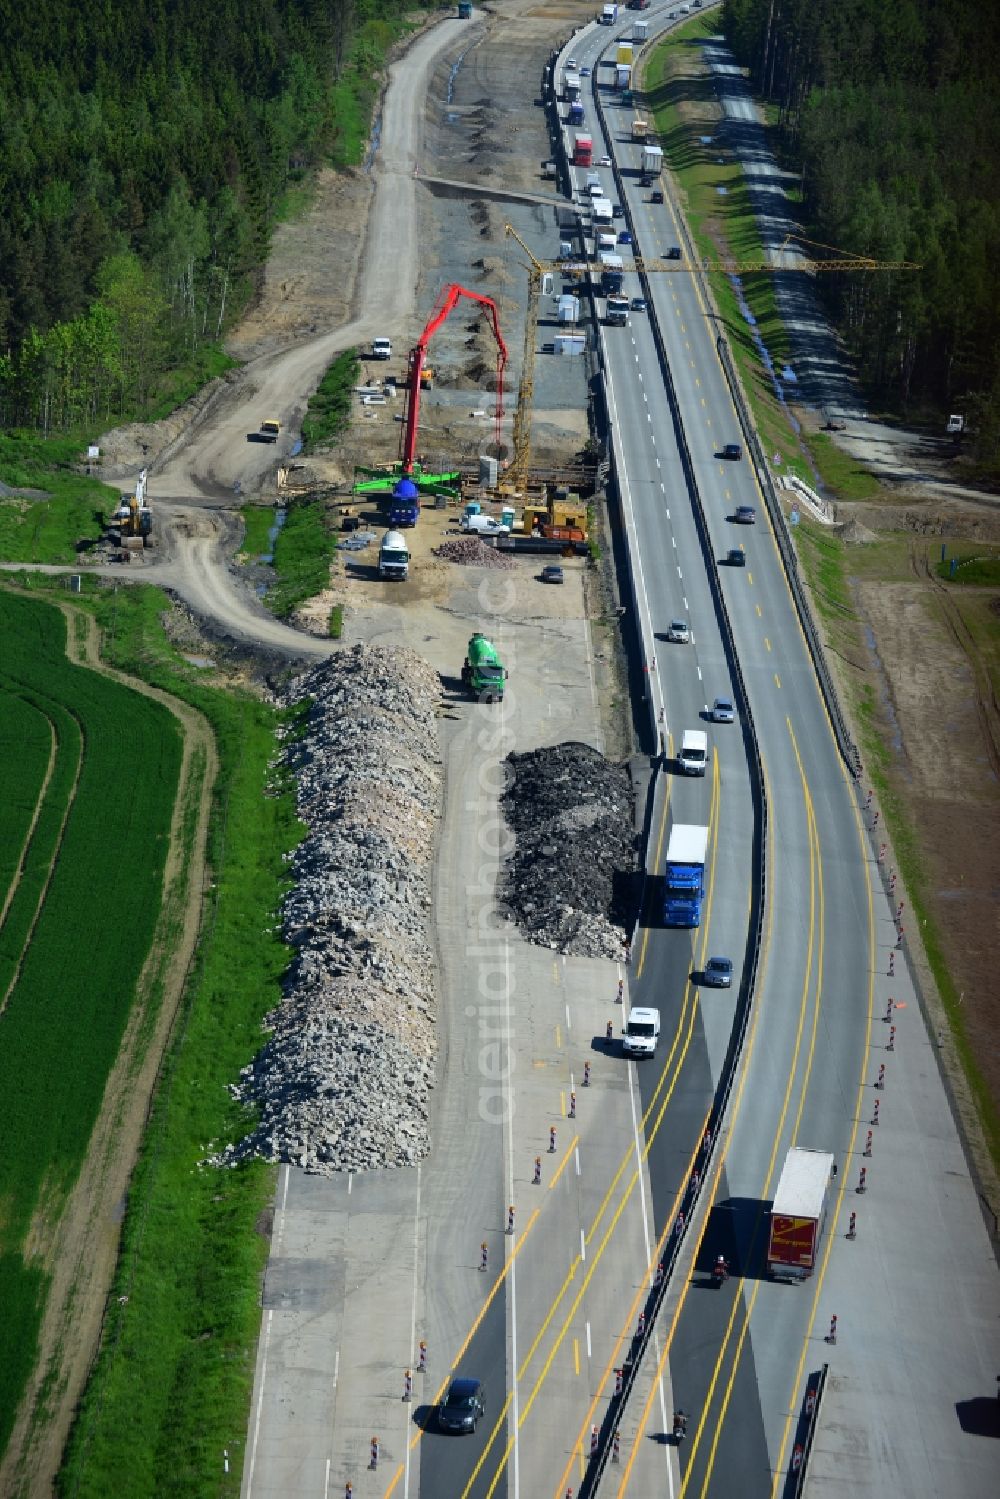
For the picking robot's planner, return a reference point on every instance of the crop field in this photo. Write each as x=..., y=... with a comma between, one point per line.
x=26, y=743
x=88, y=778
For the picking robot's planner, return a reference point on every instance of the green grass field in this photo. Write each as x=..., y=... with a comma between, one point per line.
x=303, y=552
x=71, y=515
x=171, y=1386
x=71, y=962
x=26, y=741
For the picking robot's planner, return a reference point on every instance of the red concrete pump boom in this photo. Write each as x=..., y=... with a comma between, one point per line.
x=418, y=355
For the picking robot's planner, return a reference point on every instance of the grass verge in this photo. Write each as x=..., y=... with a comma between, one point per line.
x=63, y=515
x=329, y=408
x=822, y=556
x=171, y=1385
x=257, y=523
x=303, y=551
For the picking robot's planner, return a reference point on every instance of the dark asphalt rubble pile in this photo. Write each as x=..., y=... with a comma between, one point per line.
x=568, y=879
x=343, y=1081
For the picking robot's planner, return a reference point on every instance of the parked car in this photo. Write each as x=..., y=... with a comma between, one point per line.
x=679, y=632
x=463, y=1406
x=552, y=574
x=638, y=304
x=733, y=450
x=736, y=557
x=624, y=237
x=745, y=515
x=723, y=710
x=718, y=973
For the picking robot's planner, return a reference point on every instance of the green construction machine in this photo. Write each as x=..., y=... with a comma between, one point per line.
x=483, y=675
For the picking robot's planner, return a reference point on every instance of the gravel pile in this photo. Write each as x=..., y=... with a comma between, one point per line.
x=343, y=1082
x=568, y=882
x=472, y=550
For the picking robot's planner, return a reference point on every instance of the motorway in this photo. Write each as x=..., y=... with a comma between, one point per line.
x=813, y=994
x=362, y=1270
x=737, y=1355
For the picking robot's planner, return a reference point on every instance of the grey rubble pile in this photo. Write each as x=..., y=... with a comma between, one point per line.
x=566, y=882
x=343, y=1081
x=475, y=551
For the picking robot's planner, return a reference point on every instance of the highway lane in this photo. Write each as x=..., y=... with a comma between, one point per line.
x=783, y=693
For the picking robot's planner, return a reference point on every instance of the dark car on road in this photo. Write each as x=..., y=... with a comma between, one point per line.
x=733, y=451
x=674, y=253
x=463, y=1406
x=718, y=973
x=552, y=574
x=656, y=196
x=736, y=557
x=638, y=304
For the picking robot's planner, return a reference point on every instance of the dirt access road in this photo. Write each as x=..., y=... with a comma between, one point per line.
x=276, y=384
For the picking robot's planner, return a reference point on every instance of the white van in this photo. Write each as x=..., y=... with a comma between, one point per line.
x=381, y=348
x=693, y=758
x=641, y=1033
x=484, y=525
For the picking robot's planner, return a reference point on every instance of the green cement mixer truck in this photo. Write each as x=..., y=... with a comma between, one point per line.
x=483, y=675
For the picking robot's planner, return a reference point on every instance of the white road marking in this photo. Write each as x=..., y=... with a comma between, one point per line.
x=569, y=1023
x=589, y=1355
x=583, y=1246
x=576, y=1153
x=413, y=1334
x=326, y=1480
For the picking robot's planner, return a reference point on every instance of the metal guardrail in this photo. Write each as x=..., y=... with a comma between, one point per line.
x=805, y=1432
x=688, y=1199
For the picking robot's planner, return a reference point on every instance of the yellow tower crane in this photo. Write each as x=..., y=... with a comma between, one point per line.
x=787, y=257
x=539, y=272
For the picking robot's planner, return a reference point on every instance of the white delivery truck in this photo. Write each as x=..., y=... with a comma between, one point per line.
x=693, y=758
x=798, y=1213
x=641, y=1033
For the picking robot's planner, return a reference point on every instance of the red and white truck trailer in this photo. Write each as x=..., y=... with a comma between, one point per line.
x=583, y=150
x=798, y=1213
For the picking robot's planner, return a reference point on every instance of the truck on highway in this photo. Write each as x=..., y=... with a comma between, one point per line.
x=624, y=53
x=652, y=163
x=623, y=75
x=609, y=15
x=684, y=875
x=612, y=272
x=798, y=1213
x=638, y=5
x=616, y=312
x=641, y=1033
x=575, y=116
x=693, y=758
x=640, y=128
x=583, y=150
x=483, y=674
x=640, y=31
x=601, y=211
x=394, y=557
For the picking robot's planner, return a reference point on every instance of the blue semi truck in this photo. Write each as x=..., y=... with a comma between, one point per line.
x=684, y=876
